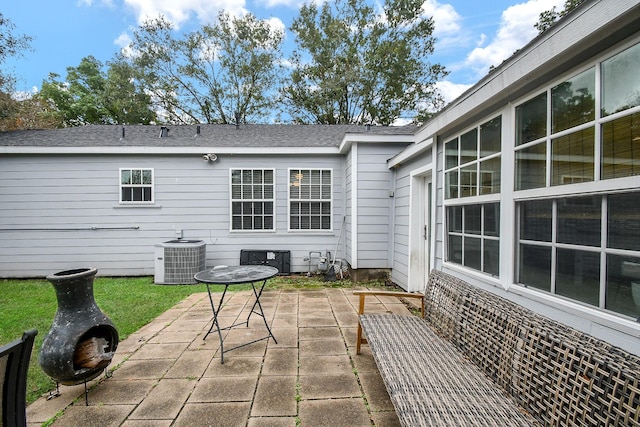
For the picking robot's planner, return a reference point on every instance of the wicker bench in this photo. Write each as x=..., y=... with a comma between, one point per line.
x=475, y=358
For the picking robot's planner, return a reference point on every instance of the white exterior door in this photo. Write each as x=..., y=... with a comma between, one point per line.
x=420, y=234
x=426, y=236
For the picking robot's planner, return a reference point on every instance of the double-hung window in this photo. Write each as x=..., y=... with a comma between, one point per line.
x=310, y=199
x=252, y=199
x=136, y=186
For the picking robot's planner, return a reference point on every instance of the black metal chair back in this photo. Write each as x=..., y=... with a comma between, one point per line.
x=14, y=364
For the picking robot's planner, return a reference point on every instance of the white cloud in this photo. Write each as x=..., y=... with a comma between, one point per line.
x=516, y=30
x=89, y=3
x=286, y=3
x=446, y=19
x=481, y=40
x=179, y=12
x=24, y=95
x=449, y=28
x=450, y=90
x=277, y=25
x=123, y=42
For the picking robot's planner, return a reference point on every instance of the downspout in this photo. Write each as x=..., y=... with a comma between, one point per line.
x=392, y=218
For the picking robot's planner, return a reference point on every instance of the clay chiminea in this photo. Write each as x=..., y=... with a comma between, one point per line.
x=82, y=339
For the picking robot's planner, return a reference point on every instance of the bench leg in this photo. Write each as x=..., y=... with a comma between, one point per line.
x=360, y=340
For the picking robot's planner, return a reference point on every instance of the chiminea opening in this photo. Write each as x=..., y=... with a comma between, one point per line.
x=94, y=351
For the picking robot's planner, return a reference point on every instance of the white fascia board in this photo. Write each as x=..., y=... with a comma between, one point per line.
x=566, y=39
x=410, y=152
x=350, y=138
x=170, y=150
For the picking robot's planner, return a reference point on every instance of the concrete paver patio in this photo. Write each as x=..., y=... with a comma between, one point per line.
x=165, y=374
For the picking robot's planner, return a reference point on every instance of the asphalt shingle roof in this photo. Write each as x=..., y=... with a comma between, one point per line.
x=247, y=135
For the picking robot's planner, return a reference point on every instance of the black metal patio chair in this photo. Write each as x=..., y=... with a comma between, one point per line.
x=14, y=364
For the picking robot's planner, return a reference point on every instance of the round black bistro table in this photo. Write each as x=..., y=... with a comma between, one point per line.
x=229, y=276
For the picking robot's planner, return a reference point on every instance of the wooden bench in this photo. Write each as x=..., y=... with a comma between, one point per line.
x=475, y=358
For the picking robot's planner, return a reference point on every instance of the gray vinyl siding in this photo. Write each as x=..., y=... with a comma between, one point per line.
x=375, y=205
x=400, y=271
x=402, y=193
x=63, y=213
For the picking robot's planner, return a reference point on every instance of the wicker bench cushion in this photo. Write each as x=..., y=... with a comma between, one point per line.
x=429, y=381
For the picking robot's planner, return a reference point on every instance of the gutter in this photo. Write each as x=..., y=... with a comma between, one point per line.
x=410, y=152
x=170, y=150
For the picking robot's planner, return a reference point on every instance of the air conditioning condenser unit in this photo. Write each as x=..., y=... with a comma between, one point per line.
x=177, y=261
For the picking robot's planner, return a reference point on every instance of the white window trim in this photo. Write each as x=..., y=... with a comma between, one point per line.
x=289, y=200
x=231, y=200
x=152, y=186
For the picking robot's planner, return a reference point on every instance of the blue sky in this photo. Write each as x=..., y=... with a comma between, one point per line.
x=472, y=34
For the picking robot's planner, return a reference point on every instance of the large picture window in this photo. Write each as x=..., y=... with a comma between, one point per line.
x=582, y=243
x=252, y=199
x=586, y=248
x=136, y=186
x=310, y=199
x=571, y=135
x=578, y=145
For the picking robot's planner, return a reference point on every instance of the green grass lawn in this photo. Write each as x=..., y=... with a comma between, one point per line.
x=129, y=302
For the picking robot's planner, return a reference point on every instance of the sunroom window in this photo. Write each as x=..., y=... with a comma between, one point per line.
x=252, y=199
x=586, y=248
x=570, y=135
x=472, y=161
x=621, y=147
x=621, y=81
x=582, y=243
x=473, y=236
x=588, y=138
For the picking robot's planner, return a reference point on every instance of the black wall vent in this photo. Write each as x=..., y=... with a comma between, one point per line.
x=278, y=259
